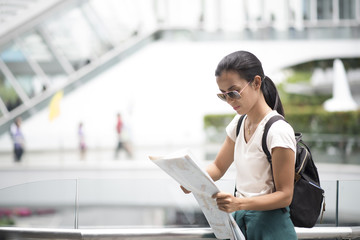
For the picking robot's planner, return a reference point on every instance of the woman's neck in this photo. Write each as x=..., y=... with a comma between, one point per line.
x=255, y=117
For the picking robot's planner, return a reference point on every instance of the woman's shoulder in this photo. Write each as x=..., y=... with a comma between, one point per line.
x=281, y=134
x=232, y=126
x=235, y=120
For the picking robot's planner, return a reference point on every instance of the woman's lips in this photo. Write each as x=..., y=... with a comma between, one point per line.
x=236, y=108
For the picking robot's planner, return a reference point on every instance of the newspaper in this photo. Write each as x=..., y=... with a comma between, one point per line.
x=186, y=172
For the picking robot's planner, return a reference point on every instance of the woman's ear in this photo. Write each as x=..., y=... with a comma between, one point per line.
x=257, y=82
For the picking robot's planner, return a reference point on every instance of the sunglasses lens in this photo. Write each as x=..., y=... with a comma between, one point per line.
x=222, y=96
x=233, y=94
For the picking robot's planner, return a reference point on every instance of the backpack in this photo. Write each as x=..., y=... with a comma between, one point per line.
x=308, y=197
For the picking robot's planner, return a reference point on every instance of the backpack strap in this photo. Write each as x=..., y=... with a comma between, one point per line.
x=266, y=130
x=239, y=124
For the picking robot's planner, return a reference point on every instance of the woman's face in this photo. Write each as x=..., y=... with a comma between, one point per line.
x=230, y=81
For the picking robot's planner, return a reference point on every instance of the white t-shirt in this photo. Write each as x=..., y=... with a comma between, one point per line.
x=253, y=171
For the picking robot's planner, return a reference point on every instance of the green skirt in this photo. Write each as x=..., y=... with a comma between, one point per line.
x=266, y=225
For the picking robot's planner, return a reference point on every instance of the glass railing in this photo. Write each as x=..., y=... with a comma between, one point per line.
x=137, y=203
x=110, y=203
x=39, y=204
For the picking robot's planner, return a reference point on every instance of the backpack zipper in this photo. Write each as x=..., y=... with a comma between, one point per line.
x=297, y=175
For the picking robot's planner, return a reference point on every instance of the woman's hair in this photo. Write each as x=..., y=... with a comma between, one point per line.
x=247, y=65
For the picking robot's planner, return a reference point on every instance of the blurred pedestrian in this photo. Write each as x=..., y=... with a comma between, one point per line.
x=18, y=139
x=122, y=141
x=82, y=144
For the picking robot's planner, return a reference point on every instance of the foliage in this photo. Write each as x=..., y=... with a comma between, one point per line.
x=8, y=94
x=322, y=122
x=300, y=76
x=5, y=221
x=214, y=125
x=306, y=120
x=217, y=121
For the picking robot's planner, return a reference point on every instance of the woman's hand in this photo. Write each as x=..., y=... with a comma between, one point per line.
x=226, y=202
x=185, y=190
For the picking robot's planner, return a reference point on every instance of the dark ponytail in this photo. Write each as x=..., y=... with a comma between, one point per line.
x=247, y=65
x=271, y=95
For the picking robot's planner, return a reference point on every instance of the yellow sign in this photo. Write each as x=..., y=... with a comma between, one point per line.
x=54, y=106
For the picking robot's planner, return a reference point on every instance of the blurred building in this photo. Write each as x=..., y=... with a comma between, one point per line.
x=53, y=47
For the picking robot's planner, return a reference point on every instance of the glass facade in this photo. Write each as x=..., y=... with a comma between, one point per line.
x=45, y=57
x=49, y=71
x=73, y=35
x=18, y=63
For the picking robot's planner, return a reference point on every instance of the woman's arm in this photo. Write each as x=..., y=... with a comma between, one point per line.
x=283, y=160
x=223, y=160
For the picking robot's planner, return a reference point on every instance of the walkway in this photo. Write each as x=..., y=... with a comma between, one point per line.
x=101, y=164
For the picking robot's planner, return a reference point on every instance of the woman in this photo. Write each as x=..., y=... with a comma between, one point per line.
x=259, y=207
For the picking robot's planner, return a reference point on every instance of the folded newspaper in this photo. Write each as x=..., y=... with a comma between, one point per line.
x=186, y=172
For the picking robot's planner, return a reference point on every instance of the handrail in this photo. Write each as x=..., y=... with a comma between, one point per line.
x=328, y=232
x=38, y=233
x=150, y=233
x=159, y=233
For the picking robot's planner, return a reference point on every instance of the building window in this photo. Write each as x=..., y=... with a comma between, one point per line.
x=324, y=9
x=347, y=9
x=306, y=9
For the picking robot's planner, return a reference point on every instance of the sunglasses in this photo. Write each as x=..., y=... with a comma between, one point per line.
x=232, y=94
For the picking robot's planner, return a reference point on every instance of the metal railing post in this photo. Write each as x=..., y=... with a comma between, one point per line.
x=76, y=221
x=337, y=204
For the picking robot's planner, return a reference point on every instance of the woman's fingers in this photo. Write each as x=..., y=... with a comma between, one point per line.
x=221, y=195
x=224, y=201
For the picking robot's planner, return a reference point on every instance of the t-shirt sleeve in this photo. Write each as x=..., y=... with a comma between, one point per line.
x=231, y=128
x=281, y=134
